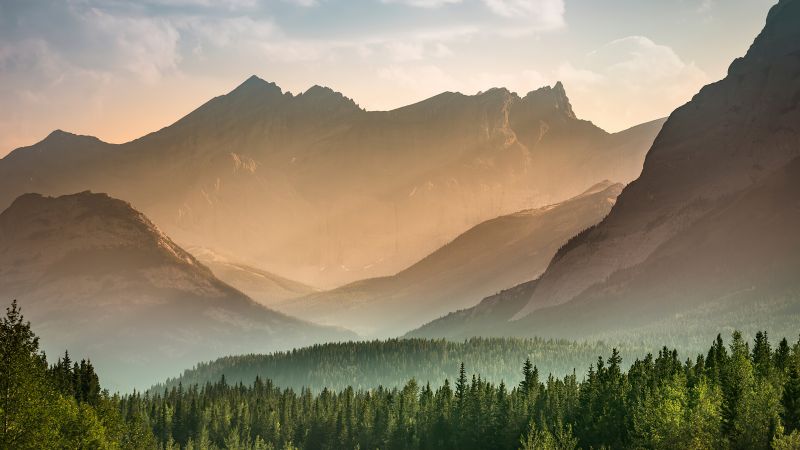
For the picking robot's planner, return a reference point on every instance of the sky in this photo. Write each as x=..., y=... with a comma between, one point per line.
x=118, y=69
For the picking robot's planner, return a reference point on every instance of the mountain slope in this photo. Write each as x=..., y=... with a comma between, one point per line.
x=99, y=278
x=321, y=191
x=264, y=287
x=487, y=318
x=713, y=217
x=490, y=256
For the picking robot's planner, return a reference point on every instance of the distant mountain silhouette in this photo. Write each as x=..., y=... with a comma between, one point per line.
x=95, y=276
x=708, y=233
x=262, y=286
x=490, y=317
x=323, y=192
x=490, y=256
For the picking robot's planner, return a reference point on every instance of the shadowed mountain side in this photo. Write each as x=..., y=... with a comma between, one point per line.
x=745, y=249
x=713, y=216
x=704, y=241
x=487, y=318
x=498, y=253
x=98, y=278
x=321, y=191
x=264, y=287
x=703, y=284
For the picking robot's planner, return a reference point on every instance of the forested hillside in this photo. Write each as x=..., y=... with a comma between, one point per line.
x=391, y=363
x=733, y=397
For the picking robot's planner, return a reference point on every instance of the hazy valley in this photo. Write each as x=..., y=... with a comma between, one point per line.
x=291, y=270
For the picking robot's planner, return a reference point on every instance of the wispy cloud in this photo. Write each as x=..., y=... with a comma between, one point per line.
x=634, y=67
x=544, y=14
x=424, y=3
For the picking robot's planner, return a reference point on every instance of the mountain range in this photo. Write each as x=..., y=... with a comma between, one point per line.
x=318, y=190
x=96, y=275
x=264, y=287
x=489, y=257
x=708, y=232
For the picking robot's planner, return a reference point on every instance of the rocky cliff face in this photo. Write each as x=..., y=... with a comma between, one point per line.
x=321, y=191
x=688, y=230
x=96, y=277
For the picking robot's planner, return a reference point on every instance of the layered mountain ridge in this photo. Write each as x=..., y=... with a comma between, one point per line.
x=704, y=240
x=96, y=275
x=319, y=190
x=732, y=135
x=500, y=252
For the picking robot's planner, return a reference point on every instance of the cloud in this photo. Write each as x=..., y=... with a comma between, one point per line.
x=38, y=82
x=705, y=6
x=536, y=14
x=426, y=80
x=630, y=80
x=421, y=79
x=424, y=3
x=638, y=59
x=225, y=4
x=146, y=47
x=542, y=14
x=303, y=3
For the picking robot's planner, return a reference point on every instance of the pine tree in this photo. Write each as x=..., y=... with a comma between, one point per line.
x=461, y=386
x=782, y=356
x=88, y=384
x=762, y=355
x=27, y=416
x=527, y=375
x=537, y=439
x=790, y=402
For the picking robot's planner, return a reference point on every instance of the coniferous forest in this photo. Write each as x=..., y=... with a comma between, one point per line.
x=740, y=395
x=392, y=362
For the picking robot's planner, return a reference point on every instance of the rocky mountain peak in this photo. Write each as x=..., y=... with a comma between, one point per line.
x=83, y=221
x=256, y=87
x=778, y=38
x=62, y=138
x=553, y=98
x=325, y=98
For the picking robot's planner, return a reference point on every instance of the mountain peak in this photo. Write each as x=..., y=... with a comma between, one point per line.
x=88, y=220
x=554, y=97
x=317, y=90
x=60, y=137
x=778, y=38
x=87, y=201
x=257, y=86
x=495, y=91
x=326, y=98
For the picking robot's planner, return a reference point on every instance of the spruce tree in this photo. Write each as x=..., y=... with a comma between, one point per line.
x=782, y=356
x=790, y=401
x=27, y=396
x=762, y=355
x=527, y=374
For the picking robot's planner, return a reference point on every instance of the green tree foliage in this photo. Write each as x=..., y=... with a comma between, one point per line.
x=731, y=398
x=60, y=406
x=26, y=420
x=790, y=401
x=391, y=363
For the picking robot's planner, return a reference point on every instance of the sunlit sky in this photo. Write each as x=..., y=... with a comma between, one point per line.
x=118, y=69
